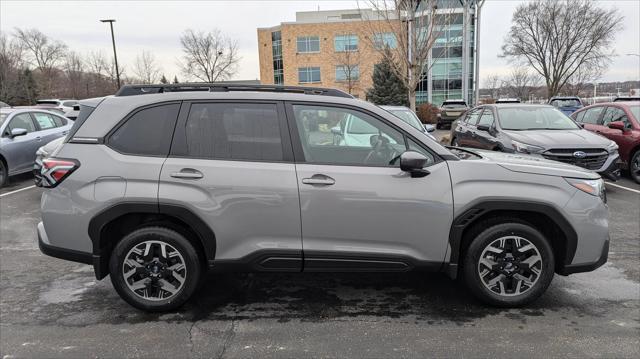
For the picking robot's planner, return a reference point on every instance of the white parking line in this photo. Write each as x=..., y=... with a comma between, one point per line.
x=623, y=187
x=16, y=191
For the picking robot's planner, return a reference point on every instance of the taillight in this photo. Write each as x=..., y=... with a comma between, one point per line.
x=55, y=170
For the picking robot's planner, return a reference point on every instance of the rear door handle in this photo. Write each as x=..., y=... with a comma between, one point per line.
x=319, y=179
x=38, y=138
x=187, y=173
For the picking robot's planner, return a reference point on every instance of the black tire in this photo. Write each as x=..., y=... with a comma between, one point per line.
x=4, y=174
x=482, y=238
x=438, y=125
x=189, y=256
x=634, y=166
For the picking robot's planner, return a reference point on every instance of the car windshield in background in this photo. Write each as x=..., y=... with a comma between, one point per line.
x=454, y=104
x=47, y=102
x=408, y=117
x=534, y=118
x=635, y=110
x=566, y=103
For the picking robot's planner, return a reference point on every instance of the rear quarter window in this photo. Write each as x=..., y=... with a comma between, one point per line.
x=147, y=132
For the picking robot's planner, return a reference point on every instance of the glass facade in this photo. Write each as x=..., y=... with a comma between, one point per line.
x=308, y=75
x=343, y=72
x=307, y=44
x=344, y=43
x=276, y=50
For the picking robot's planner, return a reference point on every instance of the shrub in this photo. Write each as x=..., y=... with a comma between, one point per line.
x=427, y=113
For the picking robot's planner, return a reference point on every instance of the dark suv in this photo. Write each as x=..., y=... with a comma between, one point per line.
x=539, y=130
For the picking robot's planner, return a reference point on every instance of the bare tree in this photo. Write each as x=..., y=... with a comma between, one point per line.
x=146, y=68
x=43, y=52
x=416, y=25
x=493, y=83
x=74, y=71
x=520, y=82
x=11, y=62
x=111, y=73
x=208, y=56
x=557, y=38
x=348, y=68
x=96, y=62
x=582, y=80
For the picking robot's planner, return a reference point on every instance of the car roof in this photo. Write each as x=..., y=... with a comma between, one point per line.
x=515, y=105
x=564, y=98
x=395, y=108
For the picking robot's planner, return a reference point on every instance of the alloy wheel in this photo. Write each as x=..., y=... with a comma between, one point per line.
x=154, y=270
x=635, y=168
x=510, y=266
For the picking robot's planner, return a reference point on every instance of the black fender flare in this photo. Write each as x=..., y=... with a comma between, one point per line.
x=99, y=221
x=477, y=209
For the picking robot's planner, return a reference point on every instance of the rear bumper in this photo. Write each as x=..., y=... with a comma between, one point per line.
x=587, y=267
x=58, y=252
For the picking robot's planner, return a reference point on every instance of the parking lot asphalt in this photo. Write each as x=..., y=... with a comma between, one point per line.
x=54, y=308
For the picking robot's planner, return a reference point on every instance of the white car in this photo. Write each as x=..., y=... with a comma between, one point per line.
x=63, y=105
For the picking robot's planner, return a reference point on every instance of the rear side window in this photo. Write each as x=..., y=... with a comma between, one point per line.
x=234, y=131
x=592, y=115
x=59, y=121
x=44, y=120
x=147, y=132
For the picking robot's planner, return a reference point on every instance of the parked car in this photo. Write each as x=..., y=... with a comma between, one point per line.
x=450, y=111
x=43, y=107
x=540, y=130
x=73, y=114
x=508, y=100
x=619, y=122
x=23, y=131
x=3, y=104
x=41, y=154
x=626, y=98
x=162, y=182
x=566, y=104
x=61, y=104
x=410, y=117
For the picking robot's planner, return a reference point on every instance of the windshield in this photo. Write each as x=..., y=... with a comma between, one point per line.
x=534, y=118
x=635, y=110
x=454, y=104
x=358, y=126
x=566, y=103
x=408, y=117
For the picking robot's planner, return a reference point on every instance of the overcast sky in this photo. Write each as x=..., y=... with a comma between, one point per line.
x=156, y=26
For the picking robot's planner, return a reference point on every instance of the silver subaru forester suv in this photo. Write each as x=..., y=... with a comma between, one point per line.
x=157, y=184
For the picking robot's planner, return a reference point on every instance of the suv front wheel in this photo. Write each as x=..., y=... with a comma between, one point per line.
x=508, y=264
x=155, y=269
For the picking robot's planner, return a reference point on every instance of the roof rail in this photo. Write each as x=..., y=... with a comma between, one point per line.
x=133, y=90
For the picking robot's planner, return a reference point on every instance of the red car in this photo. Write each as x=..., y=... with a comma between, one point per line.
x=619, y=122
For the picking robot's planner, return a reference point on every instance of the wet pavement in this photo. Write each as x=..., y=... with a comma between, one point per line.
x=54, y=308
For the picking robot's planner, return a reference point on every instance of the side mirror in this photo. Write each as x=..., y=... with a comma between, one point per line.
x=429, y=128
x=336, y=130
x=484, y=128
x=616, y=125
x=414, y=162
x=17, y=132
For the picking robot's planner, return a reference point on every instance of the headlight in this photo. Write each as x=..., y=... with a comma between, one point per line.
x=613, y=147
x=592, y=187
x=525, y=148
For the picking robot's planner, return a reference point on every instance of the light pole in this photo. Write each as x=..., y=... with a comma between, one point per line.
x=115, y=56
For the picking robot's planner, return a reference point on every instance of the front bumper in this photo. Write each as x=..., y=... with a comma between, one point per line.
x=58, y=252
x=587, y=267
x=612, y=172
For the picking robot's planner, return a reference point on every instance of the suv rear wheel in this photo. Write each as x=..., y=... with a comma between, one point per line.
x=155, y=269
x=508, y=265
x=634, y=166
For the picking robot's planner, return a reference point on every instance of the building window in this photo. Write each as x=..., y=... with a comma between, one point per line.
x=344, y=43
x=308, y=44
x=347, y=72
x=385, y=39
x=308, y=75
x=276, y=50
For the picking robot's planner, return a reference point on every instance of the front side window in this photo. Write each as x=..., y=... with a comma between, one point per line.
x=308, y=44
x=472, y=117
x=147, y=132
x=23, y=121
x=347, y=72
x=486, y=118
x=234, y=131
x=308, y=75
x=344, y=43
x=614, y=114
x=592, y=115
x=534, y=118
x=341, y=136
x=578, y=117
x=44, y=120
x=385, y=39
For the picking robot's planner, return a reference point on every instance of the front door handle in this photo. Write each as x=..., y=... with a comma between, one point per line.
x=319, y=179
x=187, y=173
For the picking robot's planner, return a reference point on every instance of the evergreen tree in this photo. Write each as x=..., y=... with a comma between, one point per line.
x=175, y=79
x=27, y=91
x=387, y=88
x=164, y=80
